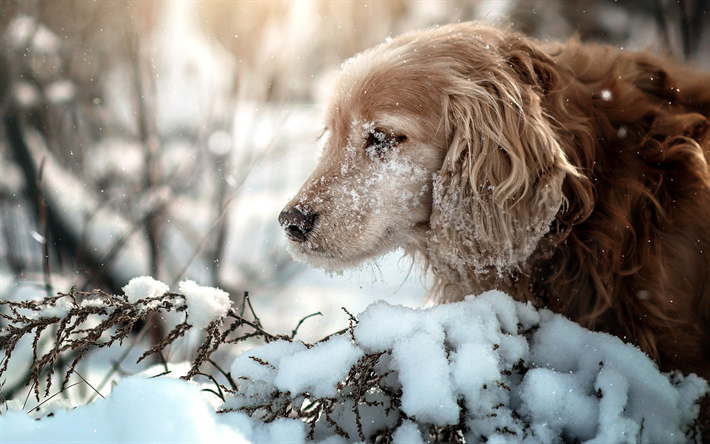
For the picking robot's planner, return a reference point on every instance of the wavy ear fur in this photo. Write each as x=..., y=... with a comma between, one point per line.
x=500, y=186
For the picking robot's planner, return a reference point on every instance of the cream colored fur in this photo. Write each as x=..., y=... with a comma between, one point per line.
x=483, y=168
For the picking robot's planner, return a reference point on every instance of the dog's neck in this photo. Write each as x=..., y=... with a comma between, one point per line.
x=525, y=282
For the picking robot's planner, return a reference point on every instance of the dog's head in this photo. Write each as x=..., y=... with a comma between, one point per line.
x=436, y=142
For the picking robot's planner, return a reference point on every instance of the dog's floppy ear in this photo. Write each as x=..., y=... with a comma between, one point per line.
x=500, y=186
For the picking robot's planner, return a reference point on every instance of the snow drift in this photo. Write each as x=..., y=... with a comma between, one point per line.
x=486, y=369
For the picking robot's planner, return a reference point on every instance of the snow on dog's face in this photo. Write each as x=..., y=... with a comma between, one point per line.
x=433, y=143
x=371, y=191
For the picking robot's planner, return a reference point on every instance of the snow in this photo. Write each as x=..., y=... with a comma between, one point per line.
x=52, y=405
x=558, y=394
x=359, y=203
x=60, y=309
x=282, y=431
x=204, y=304
x=144, y=287
x=557, y=403
x=138, y=410
x=424, y=373
x=523, y=375
x=472, y=352
x=630, y=385
x=319, y=369
x=292, y=367
x=259, y=366
x=407, y=433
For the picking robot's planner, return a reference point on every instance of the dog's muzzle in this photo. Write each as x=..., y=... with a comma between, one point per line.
x=297, y=223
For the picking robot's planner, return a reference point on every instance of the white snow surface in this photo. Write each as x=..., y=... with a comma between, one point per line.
x=510, y=372
x=522, y=375
x=144, y=287
x=318, y=370
x=407, y=433
x=138, y=410
x=204, y=304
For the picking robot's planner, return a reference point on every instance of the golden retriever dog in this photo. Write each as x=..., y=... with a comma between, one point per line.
x=573, y=176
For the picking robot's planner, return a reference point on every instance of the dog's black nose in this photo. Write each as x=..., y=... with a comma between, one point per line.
x=297, y=223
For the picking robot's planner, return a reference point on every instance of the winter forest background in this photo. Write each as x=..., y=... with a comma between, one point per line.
x=162, y=139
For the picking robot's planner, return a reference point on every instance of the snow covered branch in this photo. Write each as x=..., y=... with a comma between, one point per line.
x=485, y=369
x=80, y=321
x=488, y=369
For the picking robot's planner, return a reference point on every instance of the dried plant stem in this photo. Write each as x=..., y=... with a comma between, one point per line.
x=44, y=227
x=101, y=320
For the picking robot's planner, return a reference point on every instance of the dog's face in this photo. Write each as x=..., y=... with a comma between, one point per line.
x=372, y=189
x=431, y=144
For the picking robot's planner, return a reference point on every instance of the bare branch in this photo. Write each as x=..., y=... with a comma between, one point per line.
x=101, y=320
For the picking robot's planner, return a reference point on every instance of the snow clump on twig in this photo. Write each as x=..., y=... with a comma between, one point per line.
x=204, y=304
x=144, y=287
x=488, y=369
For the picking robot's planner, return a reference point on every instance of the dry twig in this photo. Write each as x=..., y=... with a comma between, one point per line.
x=100, y=320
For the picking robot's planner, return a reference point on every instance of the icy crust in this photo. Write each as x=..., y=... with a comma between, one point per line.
x=494, y=369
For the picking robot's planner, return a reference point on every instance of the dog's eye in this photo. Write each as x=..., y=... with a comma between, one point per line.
x=371, y=140
x=379, y=142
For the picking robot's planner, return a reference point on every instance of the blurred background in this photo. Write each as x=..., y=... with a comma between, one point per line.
x=163, y=138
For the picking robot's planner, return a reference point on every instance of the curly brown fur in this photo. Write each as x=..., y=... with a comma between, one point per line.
x=574, y=176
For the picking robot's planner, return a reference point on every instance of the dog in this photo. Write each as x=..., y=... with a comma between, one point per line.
x=574, y=176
